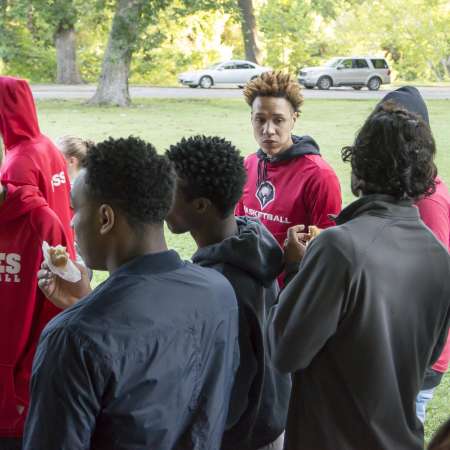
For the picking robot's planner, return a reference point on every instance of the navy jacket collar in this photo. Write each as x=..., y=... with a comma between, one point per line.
x=151, y=264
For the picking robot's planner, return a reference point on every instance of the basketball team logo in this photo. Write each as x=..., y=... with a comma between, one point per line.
x=265, y=193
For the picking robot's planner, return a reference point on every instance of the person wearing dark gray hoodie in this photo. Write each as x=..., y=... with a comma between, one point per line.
x=355, y=326
x=210, y=179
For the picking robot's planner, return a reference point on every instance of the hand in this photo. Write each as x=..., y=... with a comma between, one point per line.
x=295, y=244
x=60, y=292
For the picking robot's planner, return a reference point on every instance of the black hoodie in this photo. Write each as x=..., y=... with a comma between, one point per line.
x=251, y=261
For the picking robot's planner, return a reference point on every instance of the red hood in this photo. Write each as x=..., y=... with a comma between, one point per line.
x=20, y=200
x=18, y=118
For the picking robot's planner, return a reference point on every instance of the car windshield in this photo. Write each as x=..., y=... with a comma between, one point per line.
x=213, y=66
x=333, y=62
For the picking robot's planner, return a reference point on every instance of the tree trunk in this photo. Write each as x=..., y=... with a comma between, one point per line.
x=446, y=65
x=249, y=31
x=66, y=57
x=434, y=70
x=112, y=88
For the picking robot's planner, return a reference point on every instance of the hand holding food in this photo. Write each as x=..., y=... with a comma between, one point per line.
x=295, y=244
x=60, y=292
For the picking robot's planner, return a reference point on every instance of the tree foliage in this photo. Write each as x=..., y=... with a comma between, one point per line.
x=177, y=35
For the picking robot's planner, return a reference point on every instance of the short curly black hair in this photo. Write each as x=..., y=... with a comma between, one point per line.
x=129, y=174
x=212, y=168
x=394, y=153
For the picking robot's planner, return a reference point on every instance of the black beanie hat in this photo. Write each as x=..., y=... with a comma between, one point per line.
x=409, y=97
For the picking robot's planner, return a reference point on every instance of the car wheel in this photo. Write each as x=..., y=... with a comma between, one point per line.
x=324, y=83
x=374, y=84
x=357, y=88
x=206, y=82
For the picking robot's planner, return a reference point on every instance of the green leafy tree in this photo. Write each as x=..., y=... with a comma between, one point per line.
x=413, y=34
x=26, y=47
x=287, y=26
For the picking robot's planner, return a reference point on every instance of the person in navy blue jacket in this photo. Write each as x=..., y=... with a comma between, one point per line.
x=146, y=360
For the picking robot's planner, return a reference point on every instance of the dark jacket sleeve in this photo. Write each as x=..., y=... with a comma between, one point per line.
x=311, y=305
x=442, y=339
x=66, y=389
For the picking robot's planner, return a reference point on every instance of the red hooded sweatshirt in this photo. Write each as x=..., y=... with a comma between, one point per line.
x=295, y=188
x=25, y=222
x=31, y=158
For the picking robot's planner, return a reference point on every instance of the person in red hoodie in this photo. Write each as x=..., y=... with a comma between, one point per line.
x=288, y=182
x=435, y=212
x=30, y=157
x=25, y=222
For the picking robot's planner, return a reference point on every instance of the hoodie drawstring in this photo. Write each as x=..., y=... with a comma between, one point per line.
x=262, y=170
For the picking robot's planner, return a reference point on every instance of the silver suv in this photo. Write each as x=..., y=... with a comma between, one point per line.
x=354, y=71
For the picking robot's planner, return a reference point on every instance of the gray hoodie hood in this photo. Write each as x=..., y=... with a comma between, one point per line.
x=253, y=250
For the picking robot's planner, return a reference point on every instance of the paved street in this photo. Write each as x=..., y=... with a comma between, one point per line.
x=86, y=91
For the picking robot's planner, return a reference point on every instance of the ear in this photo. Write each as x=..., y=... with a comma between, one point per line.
x=201, y=205
x=72, y=161
x=357, y=185
x=107, y=218
x=294, y=118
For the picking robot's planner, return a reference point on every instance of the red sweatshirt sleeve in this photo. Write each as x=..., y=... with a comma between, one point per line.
x=436, y=218
x=49, y=228
x=323, y=198
x=19, y=171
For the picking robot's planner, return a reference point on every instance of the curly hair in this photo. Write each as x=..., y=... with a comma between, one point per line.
x=275, y=84
x=393, y=153
x=129, y=174
x=212, y=168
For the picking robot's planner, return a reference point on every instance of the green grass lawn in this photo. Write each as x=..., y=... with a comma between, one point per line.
x=332, y=123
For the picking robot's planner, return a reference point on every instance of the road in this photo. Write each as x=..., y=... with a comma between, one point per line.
x=86, y=91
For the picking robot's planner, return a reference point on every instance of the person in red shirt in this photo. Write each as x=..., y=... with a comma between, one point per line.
x=25, y=222
x=435, y=212
x=288, y=182
x=30, y=157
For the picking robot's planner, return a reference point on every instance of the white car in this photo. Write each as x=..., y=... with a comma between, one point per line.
x=228, y=72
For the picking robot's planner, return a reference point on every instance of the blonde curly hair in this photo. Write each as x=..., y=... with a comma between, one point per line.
x=275, y=84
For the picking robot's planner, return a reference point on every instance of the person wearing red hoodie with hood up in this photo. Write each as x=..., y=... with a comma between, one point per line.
x=25, y=222
x=30, y=157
